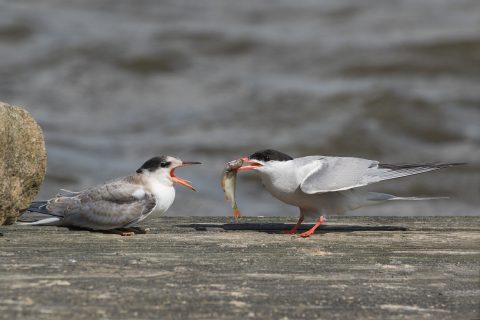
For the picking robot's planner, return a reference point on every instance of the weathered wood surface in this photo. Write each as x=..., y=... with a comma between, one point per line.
x=210, y=268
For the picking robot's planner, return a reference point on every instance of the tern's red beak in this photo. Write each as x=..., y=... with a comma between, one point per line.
x=178, y=180
x=253, y=164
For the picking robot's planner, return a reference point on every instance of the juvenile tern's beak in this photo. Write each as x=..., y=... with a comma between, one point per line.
x=253, y=164
x=181, y=181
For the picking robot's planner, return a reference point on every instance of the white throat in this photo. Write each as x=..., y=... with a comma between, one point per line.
x=161, y=186
x=279, y=176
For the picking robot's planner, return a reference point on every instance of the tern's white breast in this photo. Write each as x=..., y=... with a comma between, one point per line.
x=165, y=194
x=280, y=179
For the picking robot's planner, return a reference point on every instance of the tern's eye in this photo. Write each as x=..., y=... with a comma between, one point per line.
x=165, y=164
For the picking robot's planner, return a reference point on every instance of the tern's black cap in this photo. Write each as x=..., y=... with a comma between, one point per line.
x=154, y=163
x=270, y=155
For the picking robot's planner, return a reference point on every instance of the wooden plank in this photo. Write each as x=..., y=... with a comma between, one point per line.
x=212, y=268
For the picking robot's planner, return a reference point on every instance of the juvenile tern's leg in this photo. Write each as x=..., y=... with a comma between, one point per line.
x=138, y=230
x=312, y=229
x=122, y=232
x=130, y=231
x=295, y=228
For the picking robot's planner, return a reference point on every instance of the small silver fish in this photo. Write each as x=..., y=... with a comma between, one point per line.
x=228, y=183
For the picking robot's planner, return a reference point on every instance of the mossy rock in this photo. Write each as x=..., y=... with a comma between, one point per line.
x=23, y=161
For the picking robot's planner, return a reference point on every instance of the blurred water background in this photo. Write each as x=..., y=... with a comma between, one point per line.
x=114, y=82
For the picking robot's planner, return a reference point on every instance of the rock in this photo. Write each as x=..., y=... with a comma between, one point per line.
x=23, y=161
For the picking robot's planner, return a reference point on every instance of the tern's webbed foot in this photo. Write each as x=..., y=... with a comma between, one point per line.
x=312, y=229
x=306, y=234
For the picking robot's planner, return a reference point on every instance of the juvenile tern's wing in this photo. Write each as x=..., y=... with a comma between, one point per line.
x=111, y=205
x=329, y=174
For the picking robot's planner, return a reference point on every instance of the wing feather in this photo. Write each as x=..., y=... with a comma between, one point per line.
x=332, y=174
x=112, y=205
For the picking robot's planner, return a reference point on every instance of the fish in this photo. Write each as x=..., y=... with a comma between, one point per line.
x=228, y=183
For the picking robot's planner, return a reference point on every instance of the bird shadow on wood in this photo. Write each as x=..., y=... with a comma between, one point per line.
x=280, y=227
x=119, y=231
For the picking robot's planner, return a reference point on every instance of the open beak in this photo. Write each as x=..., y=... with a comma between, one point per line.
x=253, y=164
x=181, y=181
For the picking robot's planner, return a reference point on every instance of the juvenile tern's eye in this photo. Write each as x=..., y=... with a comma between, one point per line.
x=165, y=164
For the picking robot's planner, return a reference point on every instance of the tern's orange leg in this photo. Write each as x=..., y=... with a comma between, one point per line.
x=312, y=229
x=295, y=228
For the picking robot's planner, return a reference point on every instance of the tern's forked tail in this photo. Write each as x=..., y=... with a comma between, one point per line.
x=381, y=197
x=38, y=206
x=53, y=221
x=41, y=207
x=418, y=198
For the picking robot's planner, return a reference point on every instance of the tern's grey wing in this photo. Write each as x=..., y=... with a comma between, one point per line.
x=329, y=174
x=112, y=205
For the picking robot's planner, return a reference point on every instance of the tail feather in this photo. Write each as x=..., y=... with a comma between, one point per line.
x=417, y=198
x=392, y=171
x=53, y=221
x=38, y=206
x=41, y=207
x=382, y=197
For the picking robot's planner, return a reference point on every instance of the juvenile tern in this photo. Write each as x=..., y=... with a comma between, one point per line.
x=319, y=185
x=117, y=204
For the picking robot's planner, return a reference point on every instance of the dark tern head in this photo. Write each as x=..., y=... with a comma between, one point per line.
x=260, y=158
x=270, y=155
x=164, y=166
